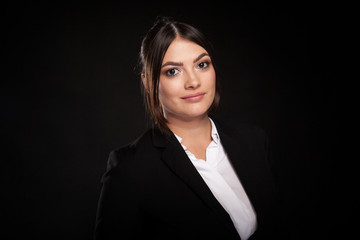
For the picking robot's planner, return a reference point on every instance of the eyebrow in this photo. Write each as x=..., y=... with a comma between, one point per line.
x=181, y=64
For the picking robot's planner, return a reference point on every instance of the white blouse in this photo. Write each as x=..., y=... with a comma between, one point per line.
x=220, y=177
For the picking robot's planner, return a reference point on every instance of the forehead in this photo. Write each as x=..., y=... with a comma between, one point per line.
x=182, y=50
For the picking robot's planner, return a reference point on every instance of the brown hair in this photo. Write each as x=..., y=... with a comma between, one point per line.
x=153, y=49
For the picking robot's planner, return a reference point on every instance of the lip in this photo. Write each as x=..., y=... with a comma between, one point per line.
x=194, y=97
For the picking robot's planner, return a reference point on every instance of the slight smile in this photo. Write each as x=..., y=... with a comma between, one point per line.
x=194, y=97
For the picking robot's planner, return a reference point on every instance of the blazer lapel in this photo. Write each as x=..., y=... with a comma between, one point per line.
x=239, y=158
x=177, y=160
x=250, y=165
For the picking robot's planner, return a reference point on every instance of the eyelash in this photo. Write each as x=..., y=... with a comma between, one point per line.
x=167, y=72
x=207, y=64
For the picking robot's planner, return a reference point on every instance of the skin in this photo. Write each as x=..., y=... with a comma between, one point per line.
x=187, y=70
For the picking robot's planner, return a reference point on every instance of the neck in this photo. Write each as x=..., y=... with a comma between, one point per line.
x=190, y=128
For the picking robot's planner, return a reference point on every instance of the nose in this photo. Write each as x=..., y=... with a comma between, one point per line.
x=192, y=80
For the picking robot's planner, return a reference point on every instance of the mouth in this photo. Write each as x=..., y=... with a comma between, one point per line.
x=194, y=97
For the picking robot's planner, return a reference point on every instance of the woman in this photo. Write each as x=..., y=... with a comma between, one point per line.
x=189, y=176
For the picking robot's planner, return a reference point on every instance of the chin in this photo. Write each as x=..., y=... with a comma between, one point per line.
x=190, y=112
x=197, y=113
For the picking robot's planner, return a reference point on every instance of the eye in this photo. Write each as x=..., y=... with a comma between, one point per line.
x=203, y=65
x=172, y=72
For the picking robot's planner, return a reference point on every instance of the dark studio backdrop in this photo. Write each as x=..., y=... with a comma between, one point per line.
x=70, y=94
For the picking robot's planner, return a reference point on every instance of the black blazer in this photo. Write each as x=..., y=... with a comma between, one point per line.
x=151, y=190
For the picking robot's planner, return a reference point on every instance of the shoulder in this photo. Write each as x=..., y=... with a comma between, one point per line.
x=248, y=137
x=241, y=131
x=128, y=157
x=245, y=136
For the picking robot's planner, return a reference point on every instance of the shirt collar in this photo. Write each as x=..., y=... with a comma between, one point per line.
x=214, y=133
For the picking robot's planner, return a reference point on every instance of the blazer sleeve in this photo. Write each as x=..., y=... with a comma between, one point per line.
x=118, y=214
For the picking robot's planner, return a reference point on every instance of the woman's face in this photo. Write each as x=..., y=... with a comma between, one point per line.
x=187, y=81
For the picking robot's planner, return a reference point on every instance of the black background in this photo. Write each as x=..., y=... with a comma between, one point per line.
x=71, y=93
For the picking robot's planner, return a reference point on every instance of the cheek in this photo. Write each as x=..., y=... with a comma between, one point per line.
x=168, y=89
x=211, y=85
x=210, y=79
